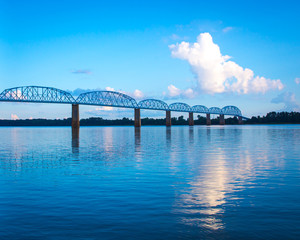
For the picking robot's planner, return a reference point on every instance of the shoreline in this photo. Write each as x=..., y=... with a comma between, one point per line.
x=152, y=125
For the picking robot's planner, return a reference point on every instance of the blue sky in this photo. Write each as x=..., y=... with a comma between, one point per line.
x=170, y=50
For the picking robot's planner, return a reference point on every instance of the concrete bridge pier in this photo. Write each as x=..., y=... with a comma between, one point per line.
x=191, y=119
x=75, y=116
x=240, y=120
x=208, y=121
x=168, y=119
x=222, y=119
x=137, y=117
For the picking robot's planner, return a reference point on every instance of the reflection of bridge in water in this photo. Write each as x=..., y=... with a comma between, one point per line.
x=36, y=94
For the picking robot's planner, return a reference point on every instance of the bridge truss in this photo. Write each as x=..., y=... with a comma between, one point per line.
x=107, y=98
x=153, y=104
x=38, y=94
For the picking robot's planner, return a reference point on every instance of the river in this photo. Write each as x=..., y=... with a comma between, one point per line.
x=215, y=182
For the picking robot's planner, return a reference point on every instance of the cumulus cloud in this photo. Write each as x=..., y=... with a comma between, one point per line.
x=81, y=71
x=289, y=101
x=215, y=73
x=109, y=89
x=176, y=93
x=138, y=94
x=173, y=91
x=297, y=80
x=14, y=117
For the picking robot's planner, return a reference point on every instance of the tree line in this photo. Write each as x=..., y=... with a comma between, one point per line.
x=276, y=118
x=270, y=118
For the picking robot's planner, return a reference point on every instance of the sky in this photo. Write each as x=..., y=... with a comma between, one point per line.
x=212, y=53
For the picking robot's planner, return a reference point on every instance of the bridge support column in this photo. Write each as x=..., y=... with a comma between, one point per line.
x=240, y=120
x=168, y=119
x=208, y=121
x=222, y=119
x=137, y=117
x=75, y=116
x=191, y=118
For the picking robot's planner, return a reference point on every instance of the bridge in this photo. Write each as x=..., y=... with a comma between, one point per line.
x=38, y=94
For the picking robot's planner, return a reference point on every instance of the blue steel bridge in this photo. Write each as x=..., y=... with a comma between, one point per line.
x=38, y=94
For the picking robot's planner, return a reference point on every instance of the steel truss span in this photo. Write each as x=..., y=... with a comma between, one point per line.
x=180, y=107
x=153, y=104
x=36, y=94
x=107, y=98
x=200, y=109
x=215, y=110
x=231, y=110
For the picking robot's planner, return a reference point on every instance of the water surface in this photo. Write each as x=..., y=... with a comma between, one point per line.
x=218, y=182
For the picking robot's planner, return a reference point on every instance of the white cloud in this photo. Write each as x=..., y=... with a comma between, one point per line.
x=215, y=74
x=174, y=93
x=98, y=110
x=297, y=80
x=14, y=117
x=107, y=112
x=289, y=101
x=109, y=89
x=189, y=93
x=138, y=94
x=104, y=108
